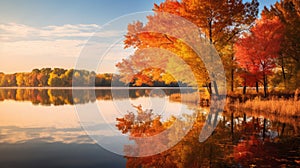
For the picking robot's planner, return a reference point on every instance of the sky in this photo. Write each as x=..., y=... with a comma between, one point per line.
x=57, y=33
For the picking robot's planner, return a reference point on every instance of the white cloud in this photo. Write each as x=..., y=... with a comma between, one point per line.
x=35, y=45
x=63, y=48
x=20, y=32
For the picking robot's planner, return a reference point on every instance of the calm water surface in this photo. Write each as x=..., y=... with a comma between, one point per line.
x=41, y=128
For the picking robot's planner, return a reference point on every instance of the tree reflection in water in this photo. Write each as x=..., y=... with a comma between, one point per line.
x=241, y=139
x=238, y=141
x=76, y=96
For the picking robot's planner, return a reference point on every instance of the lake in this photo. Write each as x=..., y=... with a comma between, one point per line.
x=90, y=128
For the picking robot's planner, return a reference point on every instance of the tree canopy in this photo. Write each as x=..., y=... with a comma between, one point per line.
x=221, y=22
x=257, y=52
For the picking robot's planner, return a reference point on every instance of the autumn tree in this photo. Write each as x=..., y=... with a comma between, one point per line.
x=8, y=80
x=43, y=76
x=54, y=80
x=218, y=21
x=59, y=77
x=288, y=11
x=32, y=79
x=257, y=51
x=20, y=79
x=67, y=77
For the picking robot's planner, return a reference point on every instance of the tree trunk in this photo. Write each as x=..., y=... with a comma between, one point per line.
x=244, y=90
x=210, y=30
x=264, y=129
x=265, y=85
x=216, y=88
x=256, y=85
x=211, y=43
x=232, y=123
x=245, y=86
x=282, y=129
x=208, y=87
x=232, y=80
x=232, y=73
x=283, y=72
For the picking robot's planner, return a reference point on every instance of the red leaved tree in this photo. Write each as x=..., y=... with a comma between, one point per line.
x=257, y=52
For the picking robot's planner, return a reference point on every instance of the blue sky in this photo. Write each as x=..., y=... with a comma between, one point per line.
x=60, y=12
x=52, y=33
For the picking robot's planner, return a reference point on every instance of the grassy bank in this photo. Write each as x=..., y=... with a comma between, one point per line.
x=280, y=107
x=275, y=105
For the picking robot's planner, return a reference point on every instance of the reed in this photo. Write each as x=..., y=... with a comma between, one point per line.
x=281, y=107
x=193, y=98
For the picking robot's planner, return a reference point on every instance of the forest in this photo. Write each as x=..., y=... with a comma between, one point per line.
x=59, y=77
x=250, y=120
x=258, y=49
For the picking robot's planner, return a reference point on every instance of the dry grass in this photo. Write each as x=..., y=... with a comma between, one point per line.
x=275, y=106
x=185, y=98
x=279, y=107
x=191, y=98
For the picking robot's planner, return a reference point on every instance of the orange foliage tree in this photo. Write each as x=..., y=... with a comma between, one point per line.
x=220, y=22
x=257, y=52
x=288, y=12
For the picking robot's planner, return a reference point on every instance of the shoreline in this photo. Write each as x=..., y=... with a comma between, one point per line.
x=97, y=88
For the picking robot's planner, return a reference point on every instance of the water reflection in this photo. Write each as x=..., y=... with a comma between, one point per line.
x=32, y=135
x=19, y=135
x=238, y=141
x=39, y=126
x=77, y=96
x=47, y=136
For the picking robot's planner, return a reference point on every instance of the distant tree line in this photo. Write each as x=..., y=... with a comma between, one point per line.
x=59, y=77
